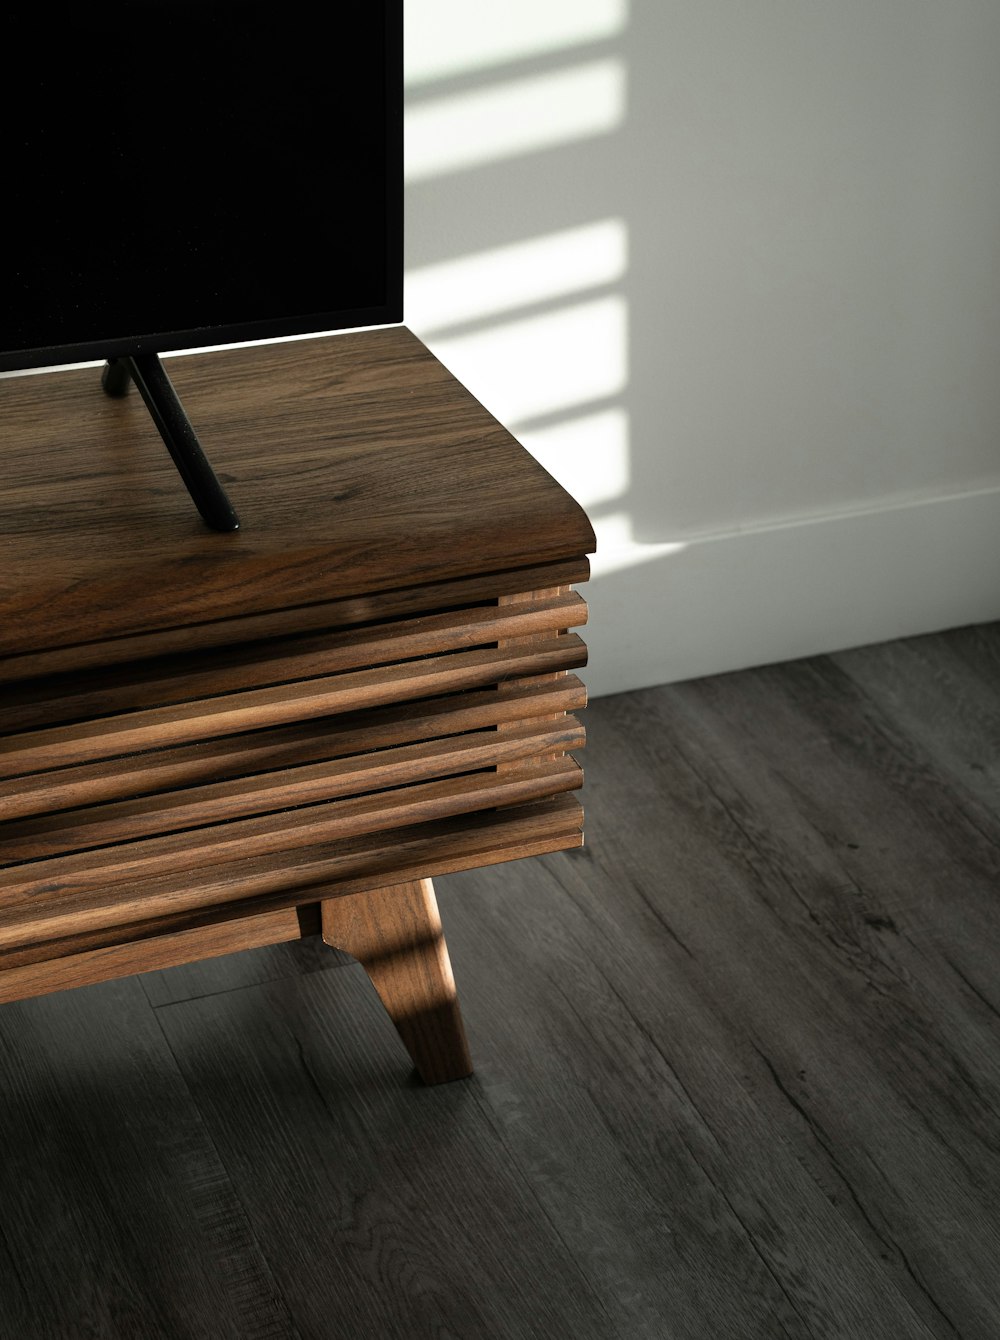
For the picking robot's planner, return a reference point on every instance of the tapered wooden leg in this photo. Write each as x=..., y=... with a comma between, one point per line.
x=395, y=934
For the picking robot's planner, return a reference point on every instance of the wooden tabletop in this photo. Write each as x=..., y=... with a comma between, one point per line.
x=356, y=462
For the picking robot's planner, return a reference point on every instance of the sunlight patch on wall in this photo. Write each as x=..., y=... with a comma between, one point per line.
x=505, y=278
x=617, y=550
x=450, y=37
x=587, y=454
x=543, y=364
x=516, y=117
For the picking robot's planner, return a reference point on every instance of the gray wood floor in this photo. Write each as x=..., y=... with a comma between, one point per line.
x=738, y=1063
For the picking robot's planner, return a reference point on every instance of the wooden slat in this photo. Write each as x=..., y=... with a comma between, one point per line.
x=107, y=737
x=465, y=835
x=230, y=924
x=75, y=919
x=526, y=639
x=395, y=933
x=119, y=875
x=128, y=688
x=290, y=621
x=202, y=806
x=166, y=951
x=61, y=967
x=285, y=746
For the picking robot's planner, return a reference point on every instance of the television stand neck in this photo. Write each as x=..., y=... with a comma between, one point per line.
x=174, y=426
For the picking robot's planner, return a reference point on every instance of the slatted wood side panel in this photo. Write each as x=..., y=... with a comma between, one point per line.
x=283, y=664
x=265, y=753
x=528, y=638
x=178, y=785
x=50, y=963
x=232, y=714
x=154, y=875
x=197, y=807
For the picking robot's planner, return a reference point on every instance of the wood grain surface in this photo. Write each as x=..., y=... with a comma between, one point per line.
x=364, y=773
x=395, y=934
x=290, y=620
x=230, y=714
x=279, y=661
x=294, y=746
x=276, y=911
x=203, y=867
x=351, y=459
x=187, y=725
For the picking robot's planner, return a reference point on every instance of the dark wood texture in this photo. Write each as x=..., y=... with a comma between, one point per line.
x=232, y=714
x=199, y=807
x=279, y=662
x=290, y=747
x=61, y=930
x=736, y=1063
x=366, y=686
x=357, y=464
x=348, y=611
x=395, y=934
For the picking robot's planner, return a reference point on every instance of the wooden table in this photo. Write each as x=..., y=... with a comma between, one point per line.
x=211, y=741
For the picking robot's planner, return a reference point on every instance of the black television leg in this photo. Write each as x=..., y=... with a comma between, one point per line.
x=174, y=427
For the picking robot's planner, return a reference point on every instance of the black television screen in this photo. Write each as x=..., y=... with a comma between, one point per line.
x=190, y=173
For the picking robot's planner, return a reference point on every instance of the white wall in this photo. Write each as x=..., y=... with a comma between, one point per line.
x=731, y=270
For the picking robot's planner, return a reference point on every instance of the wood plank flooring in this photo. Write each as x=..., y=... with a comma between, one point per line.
x=737, y=1063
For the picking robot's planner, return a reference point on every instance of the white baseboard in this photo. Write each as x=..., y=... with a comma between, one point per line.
x=664, y=613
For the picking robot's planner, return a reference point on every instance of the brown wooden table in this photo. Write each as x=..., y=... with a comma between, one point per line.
x=211, y=741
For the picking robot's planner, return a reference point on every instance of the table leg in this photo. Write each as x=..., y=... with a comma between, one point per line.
x=395, y=934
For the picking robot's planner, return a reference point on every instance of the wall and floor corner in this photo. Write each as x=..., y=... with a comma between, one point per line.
x=732, y=273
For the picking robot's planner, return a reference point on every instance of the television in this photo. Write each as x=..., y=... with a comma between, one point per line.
x=186, y=174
